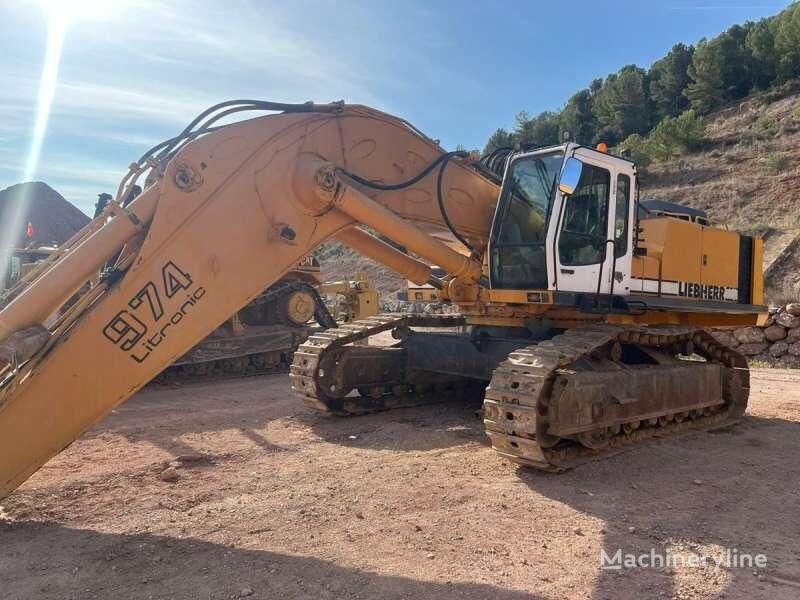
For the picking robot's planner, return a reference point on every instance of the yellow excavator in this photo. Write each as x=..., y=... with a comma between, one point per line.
x=262, y=336
x=577, y=313
x=353, y=299
x=17, y=263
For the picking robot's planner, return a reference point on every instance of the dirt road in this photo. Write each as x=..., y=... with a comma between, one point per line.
x=285, y=503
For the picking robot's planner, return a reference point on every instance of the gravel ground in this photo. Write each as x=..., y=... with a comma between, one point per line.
x=270, y=500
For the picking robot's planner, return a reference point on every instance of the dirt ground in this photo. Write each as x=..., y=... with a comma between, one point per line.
x=286, y=503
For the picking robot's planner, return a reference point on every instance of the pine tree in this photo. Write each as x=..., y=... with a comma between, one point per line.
x=499, y=139
x=720, y=70
x=621, y=105
x=541, y=130
x=787, y=42
x=667, y=79
x=760, y=43
x=577, y=117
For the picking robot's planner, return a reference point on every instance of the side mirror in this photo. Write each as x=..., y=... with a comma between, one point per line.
x=570, y=176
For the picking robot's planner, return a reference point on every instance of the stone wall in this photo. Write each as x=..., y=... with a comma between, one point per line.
x=777, y=342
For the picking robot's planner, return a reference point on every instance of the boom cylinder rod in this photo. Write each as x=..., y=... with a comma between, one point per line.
x=76, y=267
x=381, y=252
x=365, y=210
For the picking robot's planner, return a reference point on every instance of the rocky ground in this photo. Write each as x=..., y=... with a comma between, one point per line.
x=266, y=499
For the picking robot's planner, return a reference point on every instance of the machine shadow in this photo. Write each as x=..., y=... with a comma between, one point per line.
x=162, y=414
x=158, y=415
x=441, y=425
x=646, y=501
x=50, y=561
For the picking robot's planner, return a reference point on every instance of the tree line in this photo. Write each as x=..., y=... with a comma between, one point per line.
x=657, y=112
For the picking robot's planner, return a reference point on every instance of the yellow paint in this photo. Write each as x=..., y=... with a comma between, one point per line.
x=720, y=257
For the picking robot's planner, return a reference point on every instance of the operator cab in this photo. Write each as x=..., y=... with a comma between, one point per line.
x=564, y=222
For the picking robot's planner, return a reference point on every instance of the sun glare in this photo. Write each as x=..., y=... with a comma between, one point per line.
x=60, y=14
x=47, y=87
x=67, y=11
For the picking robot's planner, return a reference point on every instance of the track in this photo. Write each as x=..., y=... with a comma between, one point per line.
x=522, y=396
x=256, y=364
x=525, y=402
x=320, y=365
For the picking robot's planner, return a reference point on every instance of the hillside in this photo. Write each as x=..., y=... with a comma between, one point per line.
x=53, y=218
x=747, y=178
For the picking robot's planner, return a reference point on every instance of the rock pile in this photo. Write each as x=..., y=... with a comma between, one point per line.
x=53, y=219
x=777, y=340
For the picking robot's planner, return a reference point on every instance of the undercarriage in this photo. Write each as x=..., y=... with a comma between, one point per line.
x=550, y=401
x=261, y=338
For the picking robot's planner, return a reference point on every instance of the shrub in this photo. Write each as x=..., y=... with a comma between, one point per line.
x=796, y=112
x=637, y=149
x=767, y=125
x=676, y=135
x=777, y=162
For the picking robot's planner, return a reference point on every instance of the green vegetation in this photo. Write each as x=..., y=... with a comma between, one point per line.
x=777, y=162
x=657, y=113
x=796, y=112
x=672, y=137
x=638, y=149
x=767, y=125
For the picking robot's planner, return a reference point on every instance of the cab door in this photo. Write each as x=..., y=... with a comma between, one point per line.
x=592, y=246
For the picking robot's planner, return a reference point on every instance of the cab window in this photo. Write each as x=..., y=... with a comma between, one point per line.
x=518, y=257
x=585, y=225
x=621, y=215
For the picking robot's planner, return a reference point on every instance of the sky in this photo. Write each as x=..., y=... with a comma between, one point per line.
x=131, y=73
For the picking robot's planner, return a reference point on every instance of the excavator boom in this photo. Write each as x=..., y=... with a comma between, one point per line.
x=231, y=212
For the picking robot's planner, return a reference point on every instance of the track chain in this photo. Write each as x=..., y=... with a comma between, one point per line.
x=305, y=373
x=253, y=365
x=521, y=388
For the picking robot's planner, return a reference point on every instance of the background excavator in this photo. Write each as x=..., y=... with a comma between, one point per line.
x=263, y=336
x=259, y=338
x=576, y=314
x=18, y=263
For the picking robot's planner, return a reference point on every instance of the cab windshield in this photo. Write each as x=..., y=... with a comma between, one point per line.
x=518, y=258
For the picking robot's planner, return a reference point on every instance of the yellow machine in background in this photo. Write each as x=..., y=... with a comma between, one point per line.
x=263, y=335
x=19, y=262
x=355, y=299
x=576, y=313
x=424, y=292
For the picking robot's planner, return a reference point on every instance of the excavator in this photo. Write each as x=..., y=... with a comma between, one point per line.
x=262, y=336
x=354, y=299
x=581, y=322
x=18, y=262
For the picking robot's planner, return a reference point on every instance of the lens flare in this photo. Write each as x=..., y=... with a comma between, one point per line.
x=56, y=26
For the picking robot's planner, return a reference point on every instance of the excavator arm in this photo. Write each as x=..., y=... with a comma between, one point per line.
x=224, y=214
